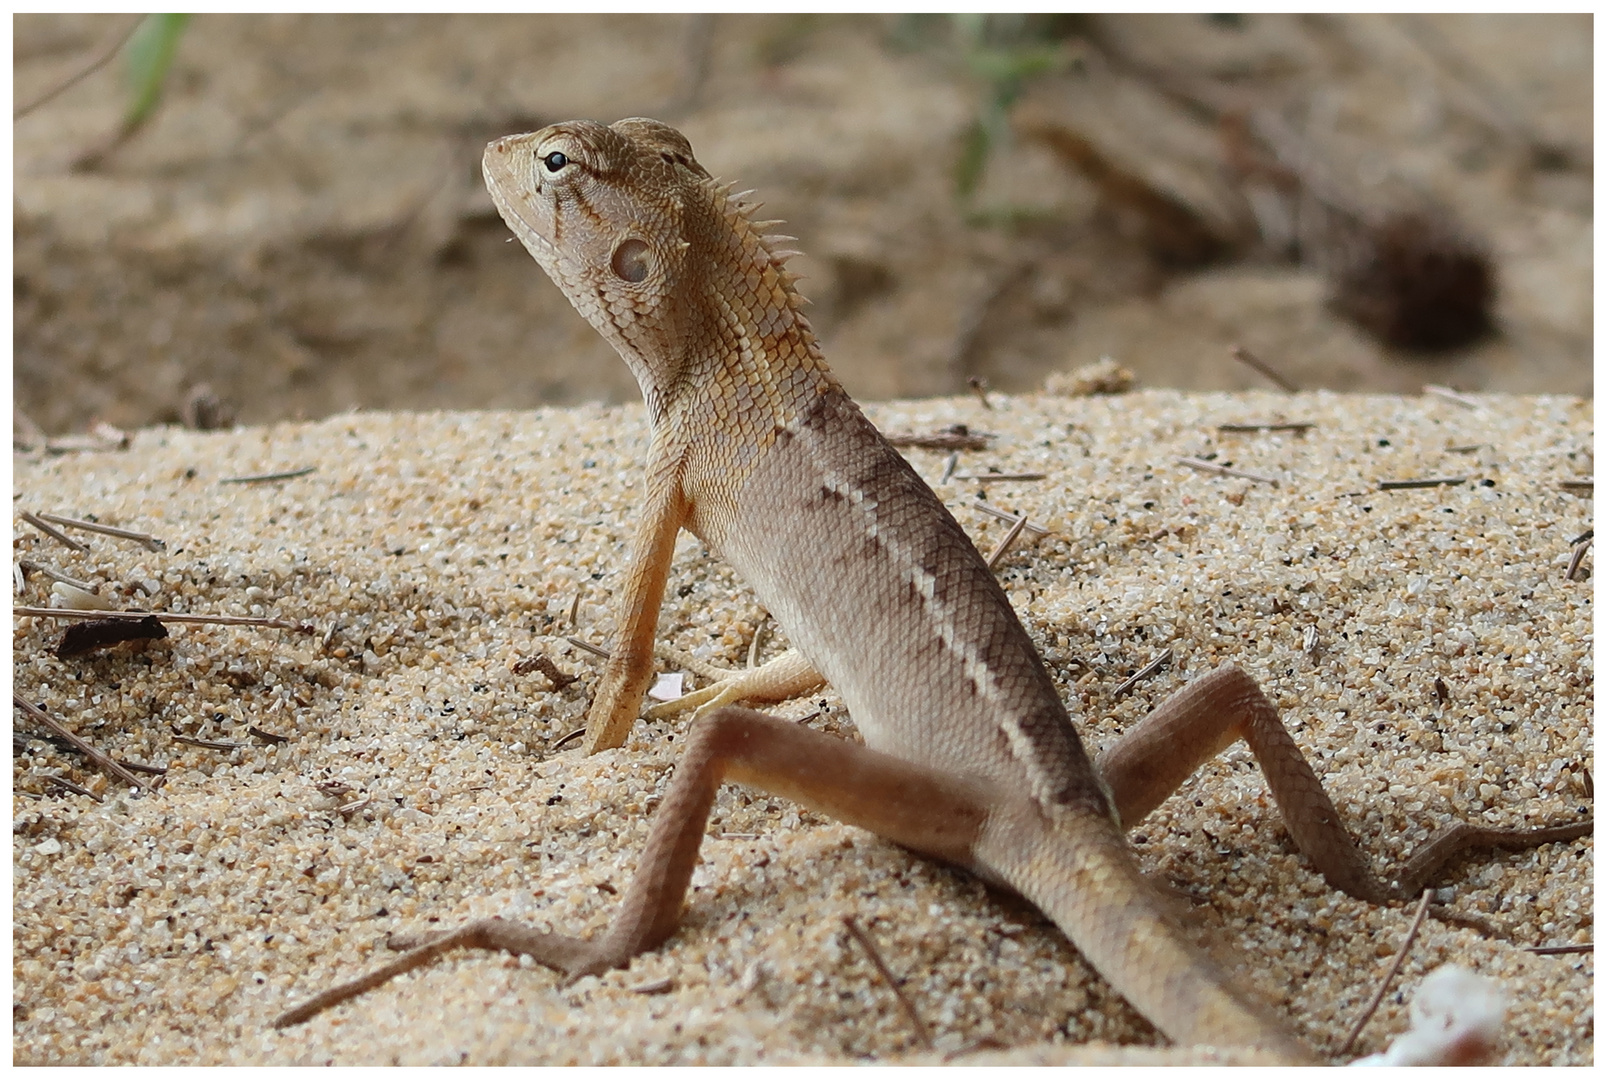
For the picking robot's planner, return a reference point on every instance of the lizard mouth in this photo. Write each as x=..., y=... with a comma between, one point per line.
x=513, y=208
x=528, y=234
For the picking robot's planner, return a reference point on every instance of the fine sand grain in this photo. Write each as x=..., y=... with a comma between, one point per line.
x=395, y=768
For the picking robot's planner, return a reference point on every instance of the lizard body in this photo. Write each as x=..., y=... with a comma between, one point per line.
x=969, y=753
x=781, y=475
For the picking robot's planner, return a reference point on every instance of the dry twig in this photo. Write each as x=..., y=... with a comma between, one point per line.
x=1255, y=363
x=166, y=616
x=1223, y=470
x=921, y=1031
x=102, y=761
x=1426, y=482
x=62, y=781
x=1389, y=976
x=567, y=739
x=141, y=767
x=587, y=646
x=1035, y=530
x=149, y=541
x=263, y=478
x=209, y=744
x=1298, y=426
x=1001, y=476
x=81, y=74
x=1561, y=950
x=54, y=575
x=51, y=531
x=1005, y=544
x=1142, y=673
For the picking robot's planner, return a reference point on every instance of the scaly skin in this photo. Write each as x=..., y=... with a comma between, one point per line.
x=757, y=450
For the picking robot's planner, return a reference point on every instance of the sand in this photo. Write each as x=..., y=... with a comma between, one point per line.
x=408, y=775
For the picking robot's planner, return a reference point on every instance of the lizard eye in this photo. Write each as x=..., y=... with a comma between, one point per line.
x=555, y=161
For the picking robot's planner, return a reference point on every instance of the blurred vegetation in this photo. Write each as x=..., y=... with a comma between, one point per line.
x=1003, y=53
x=147, y=58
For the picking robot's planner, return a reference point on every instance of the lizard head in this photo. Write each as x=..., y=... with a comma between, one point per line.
x=666, y=263
x=610, y=212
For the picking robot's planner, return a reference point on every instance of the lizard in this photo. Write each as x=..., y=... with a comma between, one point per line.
x=969, y=754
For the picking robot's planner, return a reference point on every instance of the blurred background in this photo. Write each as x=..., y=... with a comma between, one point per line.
x=255, y=218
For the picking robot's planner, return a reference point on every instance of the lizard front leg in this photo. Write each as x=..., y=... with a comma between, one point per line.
x=625, y=679
x=921, y=808
x=1150, y=761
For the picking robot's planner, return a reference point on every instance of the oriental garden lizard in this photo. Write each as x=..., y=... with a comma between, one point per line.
x=969, y=754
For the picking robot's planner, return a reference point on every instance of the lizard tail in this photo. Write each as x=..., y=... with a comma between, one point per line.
x=1088, y=883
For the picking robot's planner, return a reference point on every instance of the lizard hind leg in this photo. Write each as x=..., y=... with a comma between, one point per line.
x=571, y=955
x=921, y=808
x=1209, y=714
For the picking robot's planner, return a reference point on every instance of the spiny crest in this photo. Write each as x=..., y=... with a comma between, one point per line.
x=740, y=215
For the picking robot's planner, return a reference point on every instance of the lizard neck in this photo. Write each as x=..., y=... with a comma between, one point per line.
x=748, y=357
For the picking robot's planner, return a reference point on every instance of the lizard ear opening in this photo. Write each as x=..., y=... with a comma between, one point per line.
x=632, y=260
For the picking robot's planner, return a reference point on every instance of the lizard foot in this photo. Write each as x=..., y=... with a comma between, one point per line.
x=573, y=956
x=787, y=676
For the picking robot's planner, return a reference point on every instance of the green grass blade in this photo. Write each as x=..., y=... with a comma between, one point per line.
x=149, y=55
